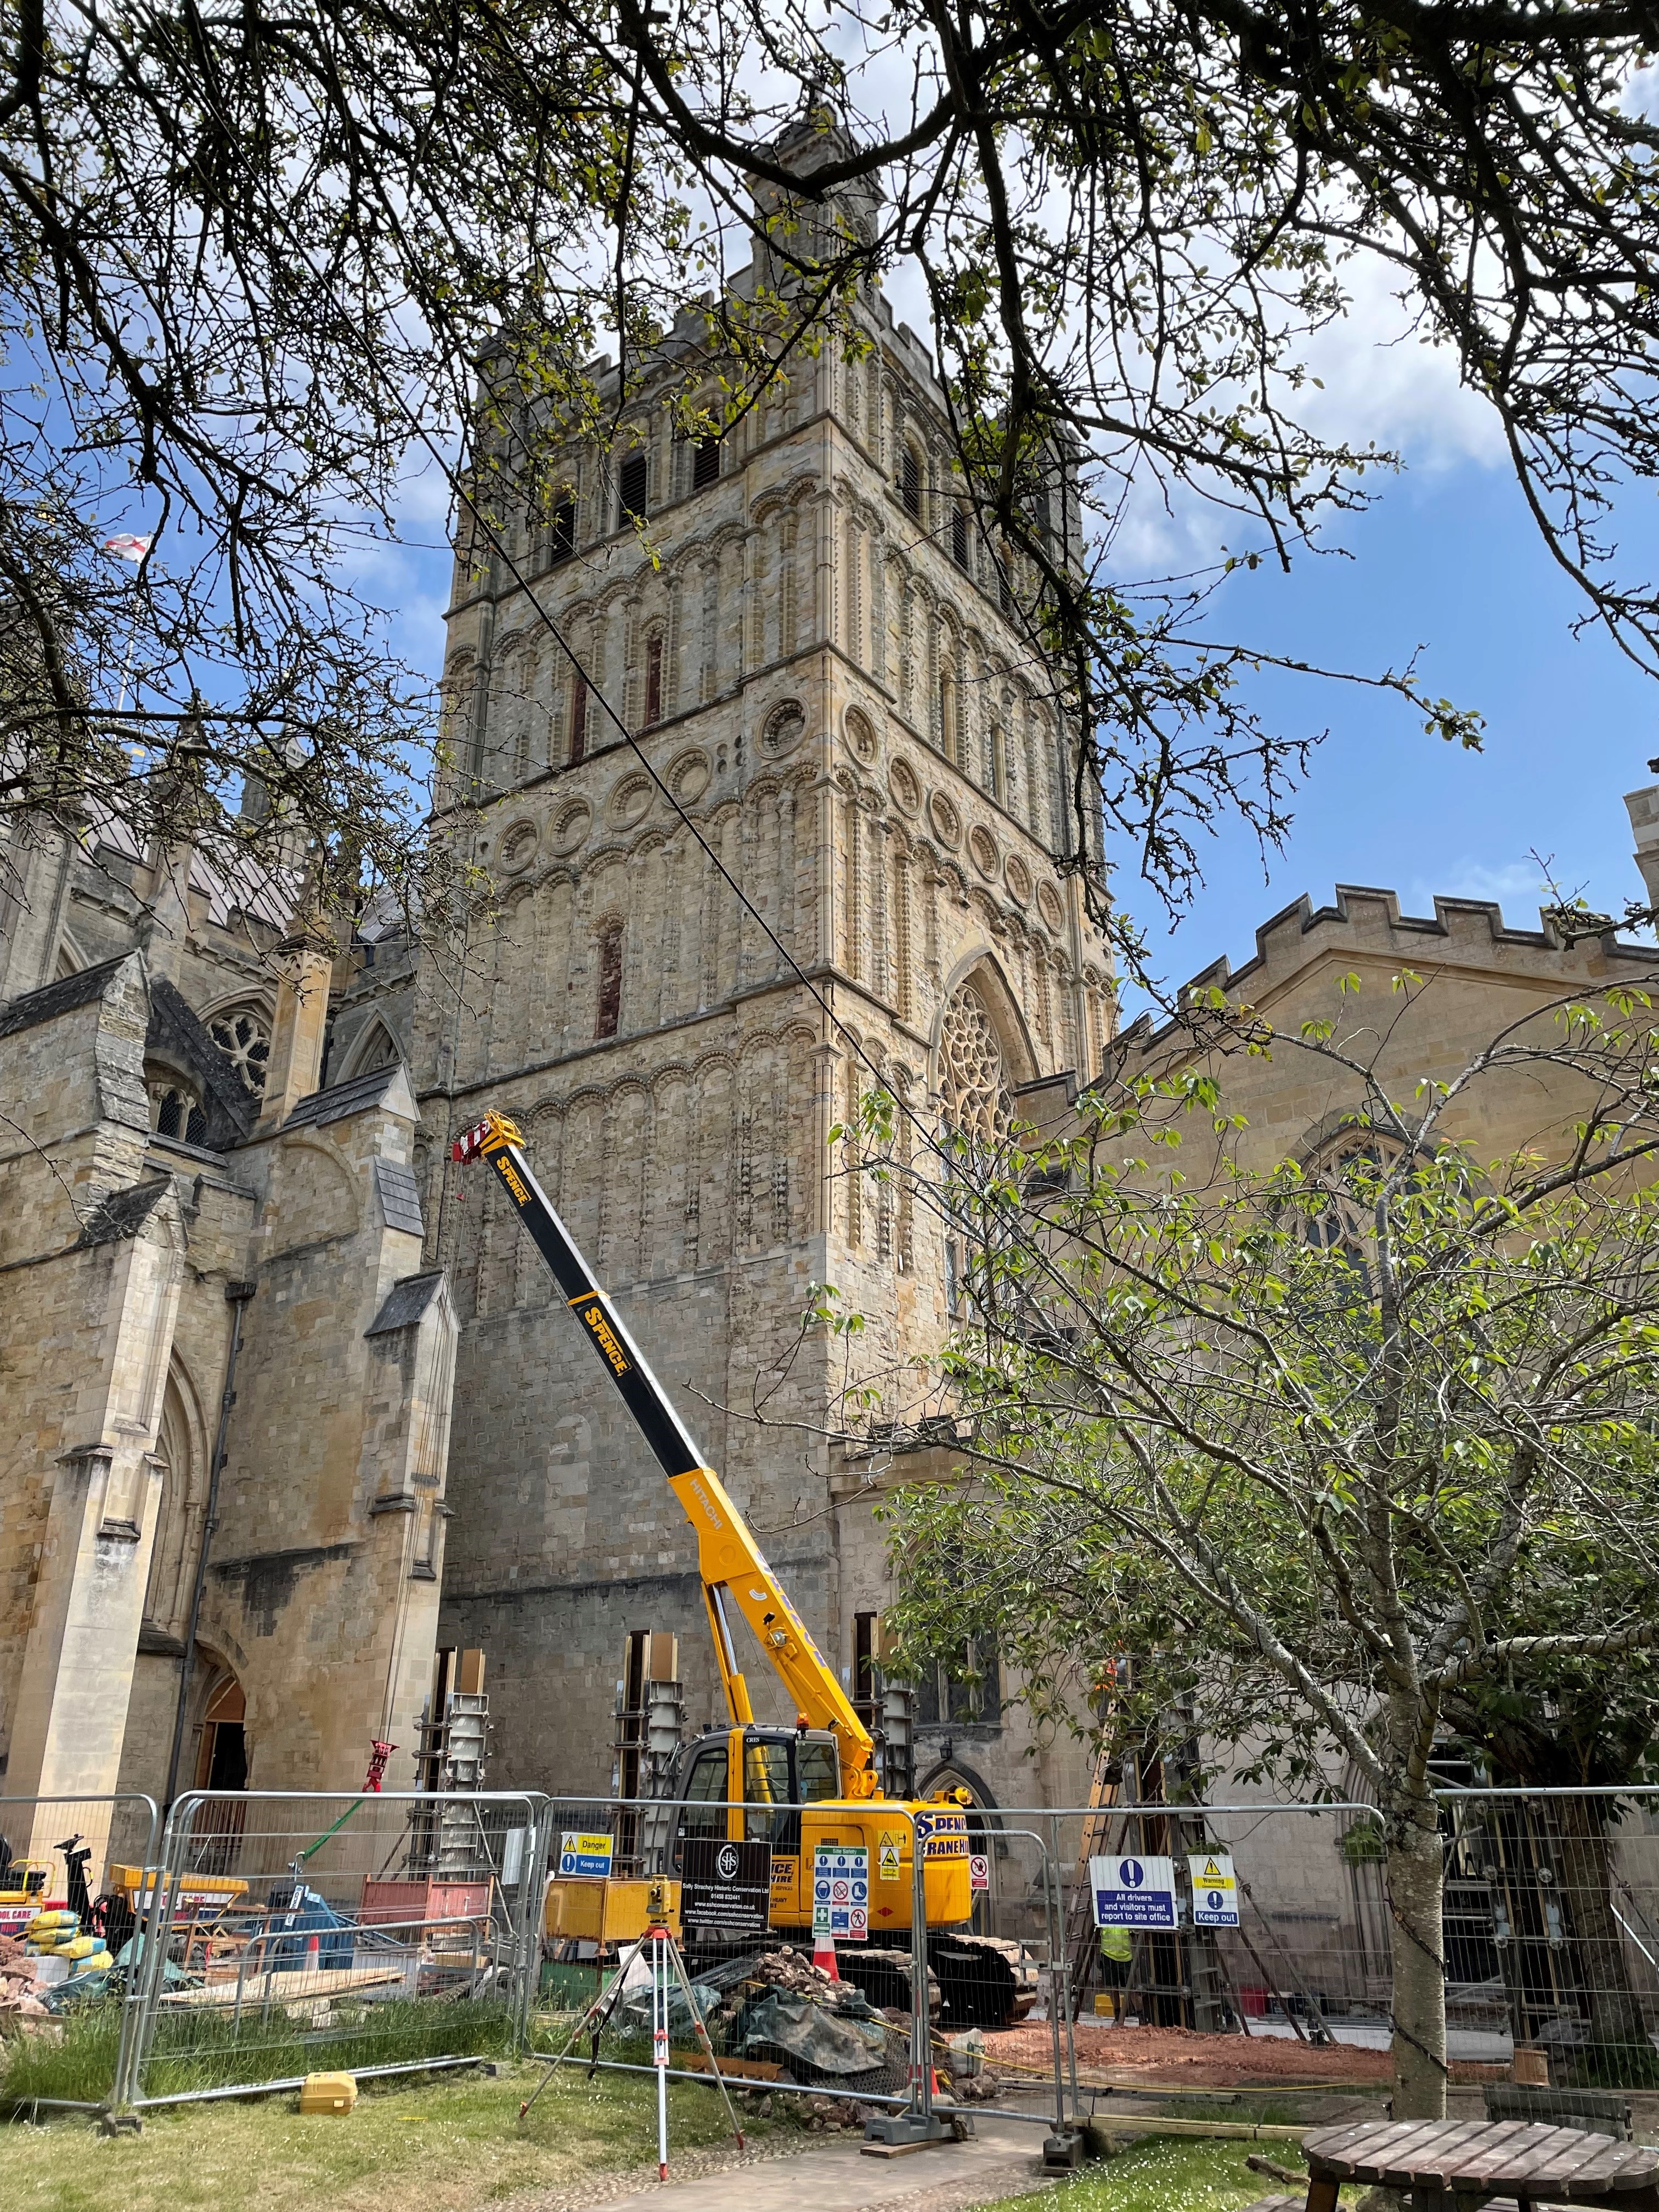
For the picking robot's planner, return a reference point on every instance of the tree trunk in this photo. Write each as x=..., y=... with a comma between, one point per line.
x=1586, y=1894
x=1415, y=1871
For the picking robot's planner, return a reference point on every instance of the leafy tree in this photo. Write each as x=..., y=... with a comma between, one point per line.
x=1347, y=1454
x=252, y=259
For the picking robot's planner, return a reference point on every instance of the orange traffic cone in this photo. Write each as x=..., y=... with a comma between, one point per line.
x=823, y=1952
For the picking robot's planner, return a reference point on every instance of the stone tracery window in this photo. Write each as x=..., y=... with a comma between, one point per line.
x=175, y=1110
x=973, y=1075
x=243, y=1034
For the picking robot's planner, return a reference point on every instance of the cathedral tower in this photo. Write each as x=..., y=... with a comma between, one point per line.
x=820, y=668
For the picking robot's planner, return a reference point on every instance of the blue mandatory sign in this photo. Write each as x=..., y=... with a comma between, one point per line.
x=1133, y=1893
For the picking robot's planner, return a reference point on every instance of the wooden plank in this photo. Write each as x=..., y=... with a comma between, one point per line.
x=1350, y=2151
x=297, y=1987
x=733, y=2069
x=1414, y=2159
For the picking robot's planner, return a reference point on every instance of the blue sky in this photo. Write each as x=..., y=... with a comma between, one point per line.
x=1447, y=561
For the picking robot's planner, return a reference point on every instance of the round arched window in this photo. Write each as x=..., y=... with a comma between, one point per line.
x=243, y=1034
x=973, y=1075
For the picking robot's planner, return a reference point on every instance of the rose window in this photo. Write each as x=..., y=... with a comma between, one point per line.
x=973, y=1076
x=244, y=1037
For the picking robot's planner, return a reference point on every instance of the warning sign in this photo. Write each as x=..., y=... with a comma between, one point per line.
x=1215, y=1890
x=589, y=1855
x=1131, y=1892
x=888, y=1855
x=841, y=1892
x=979, y=1871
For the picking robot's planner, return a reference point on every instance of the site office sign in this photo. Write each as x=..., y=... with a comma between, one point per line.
x=1134, y=1893
x=726, y=1888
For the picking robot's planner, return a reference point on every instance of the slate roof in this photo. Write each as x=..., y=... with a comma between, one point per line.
x=124, y=1213
x=400, y=1197
x=405, y=1302
x=62, y=997
x=342, y=1099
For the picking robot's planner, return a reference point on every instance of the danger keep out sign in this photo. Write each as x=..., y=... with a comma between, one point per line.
x=1215, y=1891
x=1131, y=1892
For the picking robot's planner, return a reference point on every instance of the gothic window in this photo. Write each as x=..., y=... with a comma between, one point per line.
x=973, y=1075
x=243, y=1034
x=1340, y=1182
x=611, y=974
x=705, y=463
x=173, y=1551
x=175, y=1110
x=967, y=1687
x=562, y=532
x=959, y=536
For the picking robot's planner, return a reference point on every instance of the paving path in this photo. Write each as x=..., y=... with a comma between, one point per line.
x=1002, y=2161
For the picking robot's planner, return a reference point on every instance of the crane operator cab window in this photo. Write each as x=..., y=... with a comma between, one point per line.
x=703, y=1810
x=782, y=1773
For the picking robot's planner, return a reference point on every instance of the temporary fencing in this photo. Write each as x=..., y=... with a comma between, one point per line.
x=70, y=1870
x=298, y=1932
x=306, y=1932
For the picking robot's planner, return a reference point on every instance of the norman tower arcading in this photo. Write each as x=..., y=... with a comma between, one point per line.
x=801, y=624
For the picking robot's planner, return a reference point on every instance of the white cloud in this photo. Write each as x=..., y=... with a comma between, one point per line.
x=1517, y=886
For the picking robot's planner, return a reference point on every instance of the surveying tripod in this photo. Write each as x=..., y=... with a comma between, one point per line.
x=667, y=1969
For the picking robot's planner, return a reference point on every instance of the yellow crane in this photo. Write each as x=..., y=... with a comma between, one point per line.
x=825, y=1764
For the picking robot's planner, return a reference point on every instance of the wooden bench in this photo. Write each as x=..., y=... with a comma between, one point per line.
x=1598, y=2111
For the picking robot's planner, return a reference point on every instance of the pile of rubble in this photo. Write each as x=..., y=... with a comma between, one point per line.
x=792, y=1971
x=20, y=2000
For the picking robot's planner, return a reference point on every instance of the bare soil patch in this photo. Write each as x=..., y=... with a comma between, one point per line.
x=1179, y=2058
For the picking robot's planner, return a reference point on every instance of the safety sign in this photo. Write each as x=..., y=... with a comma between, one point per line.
x=1131, y=1892
x=580, y=1854
x=888, y=1855
x=979, y=1871
x=1215, y=1890
x=841, y=1891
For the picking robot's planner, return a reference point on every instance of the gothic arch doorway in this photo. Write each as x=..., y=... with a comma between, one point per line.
x=222, y=1755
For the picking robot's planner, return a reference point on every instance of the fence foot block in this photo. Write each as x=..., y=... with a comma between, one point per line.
x=1062, y=2153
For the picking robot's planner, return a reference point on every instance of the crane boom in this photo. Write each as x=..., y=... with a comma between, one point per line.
x=730, y=1562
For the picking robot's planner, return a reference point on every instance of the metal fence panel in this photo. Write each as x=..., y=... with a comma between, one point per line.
x=304, y=1932
x=63, y=1856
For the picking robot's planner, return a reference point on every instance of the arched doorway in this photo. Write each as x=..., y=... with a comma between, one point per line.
x=221, y=1757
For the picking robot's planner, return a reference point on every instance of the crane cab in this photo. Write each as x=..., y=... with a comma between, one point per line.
x=782, y=1787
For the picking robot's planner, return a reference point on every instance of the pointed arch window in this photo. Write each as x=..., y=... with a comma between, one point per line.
x=243, y=1034
x=973, y=1072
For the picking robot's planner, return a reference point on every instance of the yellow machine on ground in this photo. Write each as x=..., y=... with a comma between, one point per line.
x=825, y=1764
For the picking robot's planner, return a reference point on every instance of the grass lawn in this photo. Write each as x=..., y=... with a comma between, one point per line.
x=1166, y=2174
x=437, y=2145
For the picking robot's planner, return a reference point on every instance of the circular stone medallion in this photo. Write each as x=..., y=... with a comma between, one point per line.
x=901, y=781
x=862, y=741
x=785, y=727
x=1017, y=877
x=570, y=826
x=947, y=823
x=630, y=802
x=1050, y=907
x=516, y=848
x=687, y=776
x=983, y=846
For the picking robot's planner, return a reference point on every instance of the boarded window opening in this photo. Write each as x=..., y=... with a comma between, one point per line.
x=579, y=720
x=959, y=538
x=562, y=532
x=611, y=968
x=910, y=480
x=653, y=679
x=706, y=462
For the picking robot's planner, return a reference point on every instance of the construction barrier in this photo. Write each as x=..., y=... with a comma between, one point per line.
x=1247, y=1947
x=289, y=1933
x=65, y=1917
